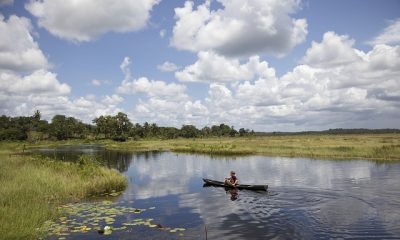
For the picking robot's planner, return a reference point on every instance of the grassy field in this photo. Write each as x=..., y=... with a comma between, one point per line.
x=351, y=146
x=32, y=188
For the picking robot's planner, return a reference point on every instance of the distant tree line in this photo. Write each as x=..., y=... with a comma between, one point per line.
x=117, y=127
x=335, y=131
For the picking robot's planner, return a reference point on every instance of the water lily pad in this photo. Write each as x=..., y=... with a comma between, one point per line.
x=119, y=228
x=128, y=224
x=177, y=230
x=139, y=223
x=83, y=217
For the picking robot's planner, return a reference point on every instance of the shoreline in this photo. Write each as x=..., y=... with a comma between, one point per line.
x=379, y=147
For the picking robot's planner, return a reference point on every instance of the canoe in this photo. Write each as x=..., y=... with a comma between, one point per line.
x=239, y=186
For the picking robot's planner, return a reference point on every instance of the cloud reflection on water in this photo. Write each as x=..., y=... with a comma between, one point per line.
x=307, y=198
x=160, y=174
x=332, y=196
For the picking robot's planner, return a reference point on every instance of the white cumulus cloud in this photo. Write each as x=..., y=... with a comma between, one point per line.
x=38, y=82
x=336, y=85
x=240, y=27
x=85, y=20
x=97, y=82
x=167, y=67
x=18, y=49
x=164, y=103
x=390, y=35
x=211, y=67
x=26, y=84
x=21, y=95
x=334, y=50
x=152, y=88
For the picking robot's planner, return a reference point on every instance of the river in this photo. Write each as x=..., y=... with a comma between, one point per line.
x=307, y=198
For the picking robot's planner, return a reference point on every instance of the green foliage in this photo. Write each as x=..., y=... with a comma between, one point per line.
x=14, y=128
x=113, y=126
x=118, y=128
x=33, y=128
x=63, y=128
x=189, y=131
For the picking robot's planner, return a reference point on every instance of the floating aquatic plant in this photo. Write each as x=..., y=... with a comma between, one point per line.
x=100, y=217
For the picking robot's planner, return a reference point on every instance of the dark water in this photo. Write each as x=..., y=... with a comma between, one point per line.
x=307, y=199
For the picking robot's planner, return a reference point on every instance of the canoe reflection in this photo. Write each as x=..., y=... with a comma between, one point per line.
x=232, y=192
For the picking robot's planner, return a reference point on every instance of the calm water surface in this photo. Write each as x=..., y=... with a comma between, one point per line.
x=307, y=199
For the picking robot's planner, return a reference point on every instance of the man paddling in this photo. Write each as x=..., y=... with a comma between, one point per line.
x=232, y=180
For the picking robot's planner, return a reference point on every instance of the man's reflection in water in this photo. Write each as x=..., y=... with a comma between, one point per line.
x=234, y=192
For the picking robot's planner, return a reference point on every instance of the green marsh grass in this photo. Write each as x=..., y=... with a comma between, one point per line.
x=346, y=146
x=32, y=188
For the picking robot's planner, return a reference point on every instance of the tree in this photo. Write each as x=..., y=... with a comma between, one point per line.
x=206, y=131
x=146, y=130
x=37, y=115
x=59, y=128
x=216, y=131
x=169, y=132
x=232, y=132
x=123, y=124
x=225, y=129
x=118, y=126
x=63, y=127
x=189, y=131
x=136, y=131
x=106, y=125
x=154, y=130
x=242, y=132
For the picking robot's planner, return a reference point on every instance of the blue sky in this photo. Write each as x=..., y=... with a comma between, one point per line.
x=264, y=64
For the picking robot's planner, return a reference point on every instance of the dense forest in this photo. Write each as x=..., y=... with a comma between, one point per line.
x=117, y=127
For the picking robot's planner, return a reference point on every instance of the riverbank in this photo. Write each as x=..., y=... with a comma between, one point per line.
x=32, y=188
x=351, y=146
x=323, y=146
